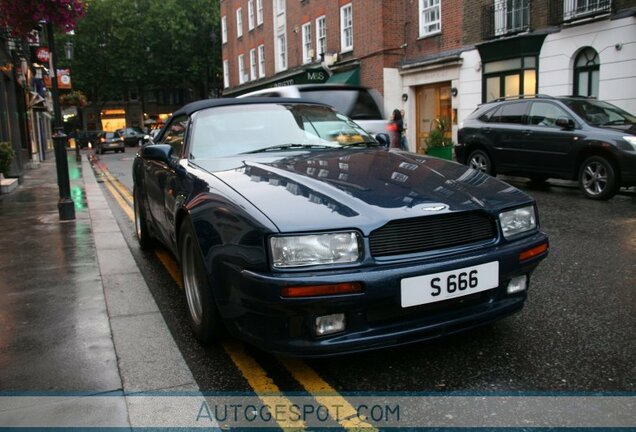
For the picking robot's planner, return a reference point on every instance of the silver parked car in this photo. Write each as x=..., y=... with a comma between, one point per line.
x=360, y=104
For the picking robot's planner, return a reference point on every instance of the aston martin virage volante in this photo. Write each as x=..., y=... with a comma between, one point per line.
x=298, y=232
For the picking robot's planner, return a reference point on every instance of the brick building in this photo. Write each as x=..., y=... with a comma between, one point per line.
x=435, y=59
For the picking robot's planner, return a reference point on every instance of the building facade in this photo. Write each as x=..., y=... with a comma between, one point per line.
x=437, y=60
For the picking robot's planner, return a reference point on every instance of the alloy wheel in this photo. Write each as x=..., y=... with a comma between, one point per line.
x=595, y=178
x=191, y=282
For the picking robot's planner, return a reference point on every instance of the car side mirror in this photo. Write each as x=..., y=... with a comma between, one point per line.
x=383, y=139
x=565, y=123
x=157, y=152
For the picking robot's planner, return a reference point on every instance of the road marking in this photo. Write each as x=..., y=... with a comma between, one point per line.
x=265, y=388
x=339, y=408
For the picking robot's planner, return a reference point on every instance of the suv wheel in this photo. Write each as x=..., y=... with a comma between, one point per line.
x=597, y=178
x=480, y=160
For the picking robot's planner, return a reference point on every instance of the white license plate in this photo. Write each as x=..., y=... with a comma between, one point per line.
x=436, y=287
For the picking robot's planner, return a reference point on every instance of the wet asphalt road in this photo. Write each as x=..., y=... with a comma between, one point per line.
x=575, y=334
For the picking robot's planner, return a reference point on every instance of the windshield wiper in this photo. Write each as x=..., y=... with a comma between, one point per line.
x=290, y=146
x=616, y=122
x=363, y=144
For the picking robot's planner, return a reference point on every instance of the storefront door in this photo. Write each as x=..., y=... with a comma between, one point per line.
x=433, y=102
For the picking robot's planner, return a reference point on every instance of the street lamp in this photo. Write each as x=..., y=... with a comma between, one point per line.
x=65, y=205
x=68, y=50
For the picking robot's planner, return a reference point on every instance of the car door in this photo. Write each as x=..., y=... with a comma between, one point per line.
x=504, y=131
x=550, y=146
x=161, y=178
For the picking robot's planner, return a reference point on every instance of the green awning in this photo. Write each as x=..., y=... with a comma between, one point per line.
x=352, y=77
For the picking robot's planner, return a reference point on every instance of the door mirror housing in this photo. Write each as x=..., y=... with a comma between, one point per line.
x=383, y=139
x=565, y=123
x=157, y=152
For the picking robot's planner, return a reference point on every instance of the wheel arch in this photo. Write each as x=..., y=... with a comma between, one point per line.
x=596, y=150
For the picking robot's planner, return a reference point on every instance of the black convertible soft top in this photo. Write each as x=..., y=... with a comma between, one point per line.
x=209, y=103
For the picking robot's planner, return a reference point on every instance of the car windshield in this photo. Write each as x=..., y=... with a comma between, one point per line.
x=232, y=130
x=599, y=113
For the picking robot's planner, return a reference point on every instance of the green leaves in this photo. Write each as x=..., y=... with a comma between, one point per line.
x=146, y=45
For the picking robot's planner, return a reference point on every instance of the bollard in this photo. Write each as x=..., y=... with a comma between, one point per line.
x=65, y=205
x=78, y=155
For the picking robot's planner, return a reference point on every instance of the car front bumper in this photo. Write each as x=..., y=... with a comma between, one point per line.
x=253, y=309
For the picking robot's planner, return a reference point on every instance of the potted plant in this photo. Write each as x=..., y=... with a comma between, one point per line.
x=437, y=143
x=6, y=157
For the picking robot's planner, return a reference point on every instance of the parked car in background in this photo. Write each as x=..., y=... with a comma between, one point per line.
x=572, y=138
x=360, y=104
x=133, y=136
x=84, y=138
x=110, y=141
x=301, y=234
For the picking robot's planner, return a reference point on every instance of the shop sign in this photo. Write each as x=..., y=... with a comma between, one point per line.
x=43, y=55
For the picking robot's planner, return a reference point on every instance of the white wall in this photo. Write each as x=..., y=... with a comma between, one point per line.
x=469, y=85
x=618, y=67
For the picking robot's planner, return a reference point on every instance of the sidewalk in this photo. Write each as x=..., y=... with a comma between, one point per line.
x=76, y=317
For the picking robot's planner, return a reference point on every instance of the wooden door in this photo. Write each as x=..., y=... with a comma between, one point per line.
x=433, y=102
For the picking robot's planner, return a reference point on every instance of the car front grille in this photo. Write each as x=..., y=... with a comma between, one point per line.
x=427, y=233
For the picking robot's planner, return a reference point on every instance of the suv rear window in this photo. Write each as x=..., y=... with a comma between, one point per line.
x=356, y=104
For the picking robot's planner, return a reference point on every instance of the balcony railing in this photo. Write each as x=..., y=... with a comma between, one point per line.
x=570, y=10
x=505, y=17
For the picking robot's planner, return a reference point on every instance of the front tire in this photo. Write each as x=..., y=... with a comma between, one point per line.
x=198, y=289
x=141, y=225
x=481, y=161
x=597, y=178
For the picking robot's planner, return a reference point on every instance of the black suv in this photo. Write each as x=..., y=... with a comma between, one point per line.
x=573, y=138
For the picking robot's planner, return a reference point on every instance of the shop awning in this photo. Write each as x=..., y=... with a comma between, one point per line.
x=352, y=77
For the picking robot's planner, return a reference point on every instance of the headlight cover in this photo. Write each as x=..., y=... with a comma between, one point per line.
x=517, y=221
x=314, y=249
x=631, y=139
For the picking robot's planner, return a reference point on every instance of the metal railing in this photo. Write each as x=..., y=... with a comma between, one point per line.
x=569, y=10
x=505, y=17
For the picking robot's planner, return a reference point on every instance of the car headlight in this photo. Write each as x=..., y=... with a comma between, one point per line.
x=517, y=221
x=315, y=249
x=631, y=139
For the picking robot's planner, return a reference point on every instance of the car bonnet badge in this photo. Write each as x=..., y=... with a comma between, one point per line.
x=433, y=207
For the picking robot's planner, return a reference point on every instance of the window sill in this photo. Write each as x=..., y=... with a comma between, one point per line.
x=346, y=50
x=429, y=35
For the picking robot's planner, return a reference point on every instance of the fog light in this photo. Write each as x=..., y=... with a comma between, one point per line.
x=518, y=284
x=329, y=324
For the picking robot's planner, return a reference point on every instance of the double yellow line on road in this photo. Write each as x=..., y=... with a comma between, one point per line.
x=268, y=392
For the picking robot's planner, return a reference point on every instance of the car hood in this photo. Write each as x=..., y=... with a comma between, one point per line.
x=360, y=188
x=628, y=128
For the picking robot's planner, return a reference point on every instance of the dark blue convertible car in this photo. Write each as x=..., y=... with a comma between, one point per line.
x=303, y=235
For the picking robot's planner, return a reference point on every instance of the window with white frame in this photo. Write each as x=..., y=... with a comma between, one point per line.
x=308, y=52
x=259, y=12
x=346, y=28
x=321, y=35
x=226, y=73
x=253, y=64
x=280, y=6
x=261, y=61
x=239, y=22
x=224, y=29
x=241, y=69
x=250, y=14
x=430, y=17
x=282, y=52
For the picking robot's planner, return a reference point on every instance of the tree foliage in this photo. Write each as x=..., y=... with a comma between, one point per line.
x=124, y=46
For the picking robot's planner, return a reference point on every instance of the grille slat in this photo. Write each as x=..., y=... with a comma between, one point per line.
x=431, y=232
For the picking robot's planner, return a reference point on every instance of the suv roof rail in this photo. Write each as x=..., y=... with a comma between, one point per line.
x=533, y=96
x=578, y=97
